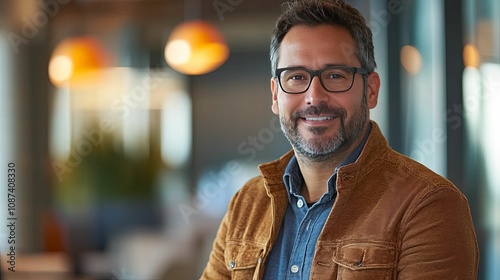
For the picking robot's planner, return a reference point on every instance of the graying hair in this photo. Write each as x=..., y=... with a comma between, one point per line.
x=333, y=12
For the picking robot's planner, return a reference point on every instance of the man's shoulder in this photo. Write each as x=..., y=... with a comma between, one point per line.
x=404, y=174
x=412, y=169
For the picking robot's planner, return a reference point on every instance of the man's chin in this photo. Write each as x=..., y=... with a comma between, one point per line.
x=319, y=134
x=316, y=156
x=318, y=131
x=318, y=152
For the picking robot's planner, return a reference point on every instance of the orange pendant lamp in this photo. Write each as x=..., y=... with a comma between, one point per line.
x=75, y=59
x=196, y=48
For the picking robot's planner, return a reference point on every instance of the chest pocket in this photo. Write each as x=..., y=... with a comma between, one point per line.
x=243, y=259
x=365, y=260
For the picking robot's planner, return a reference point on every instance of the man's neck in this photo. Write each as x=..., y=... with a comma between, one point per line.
x=317, y=173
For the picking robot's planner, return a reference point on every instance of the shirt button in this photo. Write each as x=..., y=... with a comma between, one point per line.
x=300, y=203
x=294, y=268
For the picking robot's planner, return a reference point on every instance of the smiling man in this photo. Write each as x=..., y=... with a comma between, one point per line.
x=342, y=204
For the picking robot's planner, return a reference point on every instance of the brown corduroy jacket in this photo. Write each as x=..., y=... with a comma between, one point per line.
x=392, y=218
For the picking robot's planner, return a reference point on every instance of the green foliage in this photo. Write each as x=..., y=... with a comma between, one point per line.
x=107, y=174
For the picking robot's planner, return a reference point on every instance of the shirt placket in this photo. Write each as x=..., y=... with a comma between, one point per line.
x=308, y=218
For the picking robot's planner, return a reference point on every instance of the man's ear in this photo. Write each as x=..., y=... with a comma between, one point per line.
x=274, y=91
x=373, y=88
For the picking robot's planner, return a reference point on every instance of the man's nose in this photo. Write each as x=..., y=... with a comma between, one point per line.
x=316, y=93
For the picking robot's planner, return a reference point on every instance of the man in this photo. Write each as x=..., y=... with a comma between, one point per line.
x=342, y=204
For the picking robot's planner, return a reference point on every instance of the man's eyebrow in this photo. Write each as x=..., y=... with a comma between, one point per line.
x=324, y=66
x=295, y=66
x=335, y=64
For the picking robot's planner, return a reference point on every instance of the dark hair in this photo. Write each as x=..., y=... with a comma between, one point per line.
x=333, y=12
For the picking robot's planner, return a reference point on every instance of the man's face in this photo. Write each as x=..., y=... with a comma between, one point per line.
x=319, y=123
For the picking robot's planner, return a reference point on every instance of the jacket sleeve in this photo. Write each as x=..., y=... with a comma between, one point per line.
x=438, y=238
x=216, y=268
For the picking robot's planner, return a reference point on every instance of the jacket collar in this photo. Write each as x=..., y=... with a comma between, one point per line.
x=376, y=147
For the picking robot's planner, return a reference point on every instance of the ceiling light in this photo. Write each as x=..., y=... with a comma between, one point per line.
x=195, y=48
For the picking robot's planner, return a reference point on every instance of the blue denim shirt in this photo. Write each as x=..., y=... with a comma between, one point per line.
x=293, y=252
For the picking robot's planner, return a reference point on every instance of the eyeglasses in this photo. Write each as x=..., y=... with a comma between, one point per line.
x=334, y=79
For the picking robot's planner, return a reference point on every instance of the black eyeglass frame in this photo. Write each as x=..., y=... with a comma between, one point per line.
x=314, y=73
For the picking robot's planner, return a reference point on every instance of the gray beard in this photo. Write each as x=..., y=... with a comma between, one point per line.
x=320, y=150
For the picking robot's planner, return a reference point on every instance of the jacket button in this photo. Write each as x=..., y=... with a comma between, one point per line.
x=232, y=264
x=359, y=264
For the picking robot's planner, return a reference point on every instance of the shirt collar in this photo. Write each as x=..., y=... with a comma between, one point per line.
x=293, y=177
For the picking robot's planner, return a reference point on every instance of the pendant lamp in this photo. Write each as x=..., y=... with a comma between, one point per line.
x=75, y=59
x=196, y=48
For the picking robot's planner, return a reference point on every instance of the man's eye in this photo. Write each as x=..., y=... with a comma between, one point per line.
x=335, y=76
x=297, y=77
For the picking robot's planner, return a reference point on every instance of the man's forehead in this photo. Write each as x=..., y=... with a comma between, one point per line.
x=322, y=32
x=318, y=38
x=332, y=41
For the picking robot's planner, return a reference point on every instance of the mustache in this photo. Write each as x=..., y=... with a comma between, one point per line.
x=322, y=109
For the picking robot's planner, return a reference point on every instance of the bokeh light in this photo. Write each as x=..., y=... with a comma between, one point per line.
x=471, y=56
x=411, y=60
x=74, y=59
x=195, y=48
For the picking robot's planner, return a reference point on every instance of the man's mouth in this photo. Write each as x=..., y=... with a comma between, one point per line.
x=317, y=119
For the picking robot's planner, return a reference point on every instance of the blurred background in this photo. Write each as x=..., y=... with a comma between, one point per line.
x=129, y=124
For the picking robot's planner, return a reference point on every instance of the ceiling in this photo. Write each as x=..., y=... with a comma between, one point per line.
x=246, y=24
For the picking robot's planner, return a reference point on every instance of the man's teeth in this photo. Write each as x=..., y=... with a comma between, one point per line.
x=319, y=118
